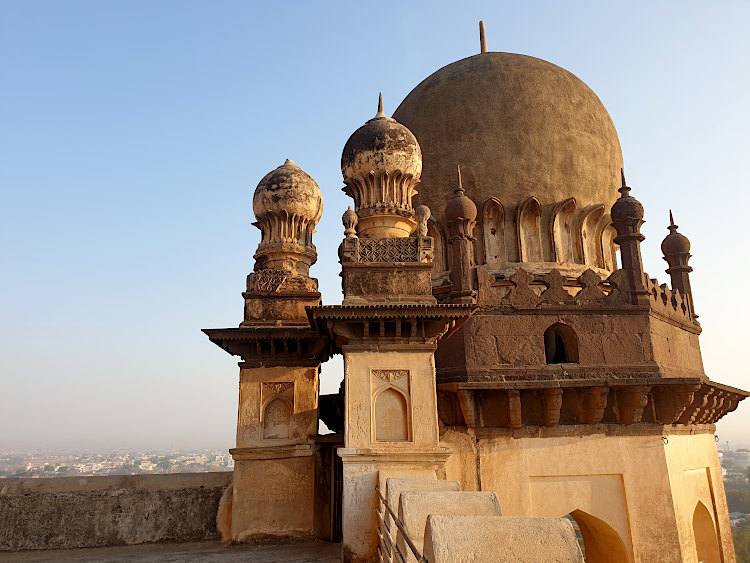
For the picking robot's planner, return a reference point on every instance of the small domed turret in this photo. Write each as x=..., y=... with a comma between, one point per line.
x=674, y=242
x=461, y=210
x=627, y=212
x=381, y=165
x=288, y=205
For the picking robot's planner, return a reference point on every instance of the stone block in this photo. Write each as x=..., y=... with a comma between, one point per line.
x=478, y=539
x=415, y=506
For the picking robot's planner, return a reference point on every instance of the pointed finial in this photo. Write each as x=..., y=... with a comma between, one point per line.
x=672, y=227
x=460, y=188
x=482, y=38
x=380, y=106
x=624, y=189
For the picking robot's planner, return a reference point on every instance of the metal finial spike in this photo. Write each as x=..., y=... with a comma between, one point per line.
x=380, y=106
x=622, y=174
x=671, y=219
x=460, y=182
x=482, y=38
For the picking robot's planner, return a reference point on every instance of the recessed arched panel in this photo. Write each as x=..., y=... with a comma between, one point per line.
x=563, y=232
x=590, y=242
x=530, y=230
x=706, y=543
x=601, y=543
x=391, y=417
x=560, y=344
x=277, y=420
x=440, y=260
x=609, y=248
x=493, y=227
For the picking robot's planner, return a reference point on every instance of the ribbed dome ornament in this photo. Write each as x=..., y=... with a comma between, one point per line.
x=381, y=164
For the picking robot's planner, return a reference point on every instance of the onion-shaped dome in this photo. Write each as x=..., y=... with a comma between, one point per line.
x=288, y=205
x=381, y=145
x=674, y=242
x=461, y=206
x=288, y=189
x=626, y=210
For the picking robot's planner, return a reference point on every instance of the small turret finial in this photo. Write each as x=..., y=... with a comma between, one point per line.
x=460, y=187
x=624, y=189
x=482, y=38
x=380, y=106
x=671, y=220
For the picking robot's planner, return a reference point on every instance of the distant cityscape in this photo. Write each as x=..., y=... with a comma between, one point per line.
x=69, y=463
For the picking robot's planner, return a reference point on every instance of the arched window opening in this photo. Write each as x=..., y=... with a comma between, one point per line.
x=560, y=344
x=706, y=544
x=391, y=417
x=277, y=420
x=598, y=540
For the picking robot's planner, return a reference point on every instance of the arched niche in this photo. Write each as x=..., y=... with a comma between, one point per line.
x=493, y=227
x=277, y=420
x=391, y=416
x=440, y=260
x=609, y=248
x=601, y=543
x=560, y=344
x=529, y=223
x=563, y=232
x=590, y=240
x=706, y=543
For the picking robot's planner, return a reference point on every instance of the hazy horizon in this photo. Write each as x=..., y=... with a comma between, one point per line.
x=134, y=134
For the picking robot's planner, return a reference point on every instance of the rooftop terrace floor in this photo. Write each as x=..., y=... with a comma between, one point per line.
x=304, y=552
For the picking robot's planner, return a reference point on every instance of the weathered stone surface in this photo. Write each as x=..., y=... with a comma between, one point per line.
x=69, y=512
x=415, y=506
x=464, y=539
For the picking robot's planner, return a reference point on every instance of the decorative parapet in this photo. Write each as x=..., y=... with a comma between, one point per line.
x=524, y=290
x=387, y=250
x=668, y=302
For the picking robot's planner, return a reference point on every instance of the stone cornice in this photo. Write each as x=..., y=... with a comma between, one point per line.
x=625, y=401
x=273, y=346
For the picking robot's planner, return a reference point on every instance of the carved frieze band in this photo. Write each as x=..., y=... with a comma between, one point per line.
x=386, y=250
x=278, y=387
x=390, y=375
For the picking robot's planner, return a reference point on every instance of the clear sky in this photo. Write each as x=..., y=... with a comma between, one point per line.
x=133, y=134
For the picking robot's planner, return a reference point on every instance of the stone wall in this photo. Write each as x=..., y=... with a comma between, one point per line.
x=72, y=512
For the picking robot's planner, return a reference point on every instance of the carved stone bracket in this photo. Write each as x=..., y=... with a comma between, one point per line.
x=630, y=402
x=469, y=408
x=514, y=409
x=670, y=402
x=552, y=402
x=591, y=404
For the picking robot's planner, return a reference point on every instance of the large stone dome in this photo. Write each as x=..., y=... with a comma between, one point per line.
x=518, y=127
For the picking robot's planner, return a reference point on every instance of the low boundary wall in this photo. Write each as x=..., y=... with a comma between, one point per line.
x=70, y=512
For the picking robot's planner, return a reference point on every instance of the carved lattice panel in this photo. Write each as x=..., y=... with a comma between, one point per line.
x=387, y=250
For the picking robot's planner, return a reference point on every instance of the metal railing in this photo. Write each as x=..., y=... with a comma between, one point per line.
x=388, y=549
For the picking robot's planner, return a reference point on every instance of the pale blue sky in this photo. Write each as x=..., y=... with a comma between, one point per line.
x=133, y=134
